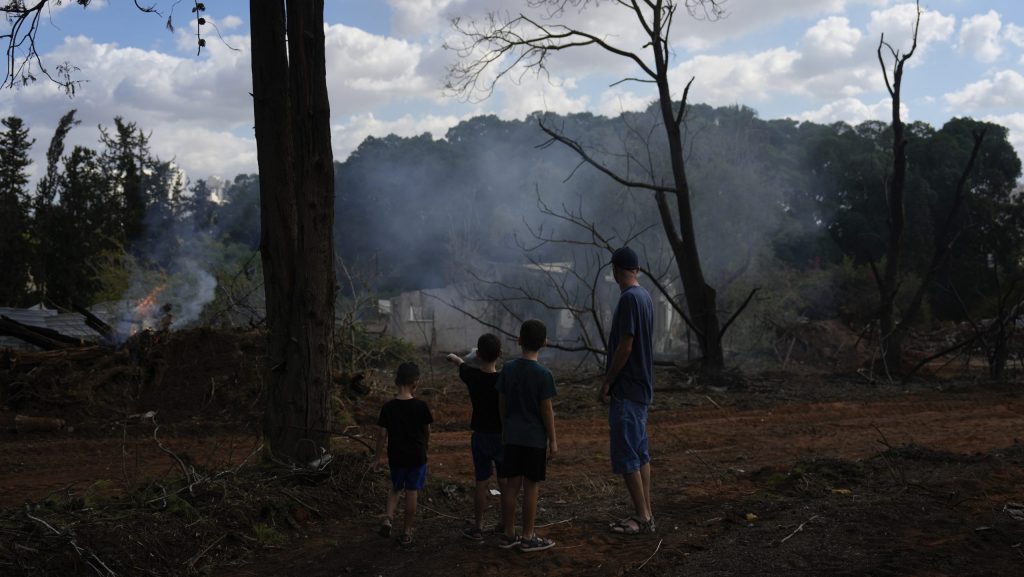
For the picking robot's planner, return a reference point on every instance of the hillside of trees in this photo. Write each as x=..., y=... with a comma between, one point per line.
x=795, y=208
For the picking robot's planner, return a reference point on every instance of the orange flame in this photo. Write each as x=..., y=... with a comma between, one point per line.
x=145, y=308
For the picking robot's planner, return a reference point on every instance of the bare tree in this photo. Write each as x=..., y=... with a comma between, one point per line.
x=496, y=47
x=889, y=281
x=296, y=166
x=893, y=328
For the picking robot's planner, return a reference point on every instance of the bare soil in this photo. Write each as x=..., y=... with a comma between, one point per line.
x=787, y=474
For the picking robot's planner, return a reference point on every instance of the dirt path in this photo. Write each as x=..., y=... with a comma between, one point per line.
x=711, y=463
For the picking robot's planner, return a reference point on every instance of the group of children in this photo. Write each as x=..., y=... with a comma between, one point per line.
x=513, y=427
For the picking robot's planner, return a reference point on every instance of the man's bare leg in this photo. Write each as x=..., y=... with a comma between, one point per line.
x=645, y=477
x=635, y=487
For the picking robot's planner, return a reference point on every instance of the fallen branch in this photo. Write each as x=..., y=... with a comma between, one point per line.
x=184, y=469
x=301, y=502
x=569, y=520
x=656, y=549
x=798, y=529
x=719, y=407
x=191, y=563
x=436, y=512
x=107, y=571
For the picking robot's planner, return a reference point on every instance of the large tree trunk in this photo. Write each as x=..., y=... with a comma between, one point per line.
x=296, y=167
x=700, y=297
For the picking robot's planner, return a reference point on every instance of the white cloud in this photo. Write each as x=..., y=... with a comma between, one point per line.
x=533, y=94
x=616, y=100
x=198, y=109
x=833, y=38
x=54, y=8
x=897, y=23
x=229, y=23
x=853, y=111
x=1014, y=122
x=979, y=36
x=737, y=78
x=1015, y=35
x=346, y=137
x=365, y=70
x=202, y=152
x=1004, y=90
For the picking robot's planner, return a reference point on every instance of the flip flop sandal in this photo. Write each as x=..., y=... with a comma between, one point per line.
x=624, y=527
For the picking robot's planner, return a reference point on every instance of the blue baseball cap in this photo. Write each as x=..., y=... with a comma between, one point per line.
x=625, y=258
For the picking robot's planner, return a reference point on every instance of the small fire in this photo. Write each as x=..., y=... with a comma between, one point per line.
x=147, y=306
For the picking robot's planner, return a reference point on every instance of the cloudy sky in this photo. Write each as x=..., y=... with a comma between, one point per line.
x=804, y=59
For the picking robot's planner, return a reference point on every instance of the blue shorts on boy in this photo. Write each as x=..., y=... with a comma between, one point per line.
x=488, y=454
x=409, y=478
x=485, y=443
x=627, y=422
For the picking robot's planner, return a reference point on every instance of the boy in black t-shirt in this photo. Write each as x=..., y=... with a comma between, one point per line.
x=405, y=427
x=486, y=424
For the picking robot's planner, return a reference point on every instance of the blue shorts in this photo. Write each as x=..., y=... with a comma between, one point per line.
x=487, y=454
x=627, y=424
x=409, y=478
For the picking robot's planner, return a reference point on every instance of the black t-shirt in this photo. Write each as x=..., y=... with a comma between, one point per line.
x=406, y=421
x=484, y=397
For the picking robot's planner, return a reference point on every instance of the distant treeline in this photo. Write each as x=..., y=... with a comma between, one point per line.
x=773, y=199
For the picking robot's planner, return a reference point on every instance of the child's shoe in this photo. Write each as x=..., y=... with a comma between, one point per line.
x=536, y=543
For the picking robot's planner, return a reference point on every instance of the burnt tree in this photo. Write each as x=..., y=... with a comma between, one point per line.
x=889, y=280
x=497, y=47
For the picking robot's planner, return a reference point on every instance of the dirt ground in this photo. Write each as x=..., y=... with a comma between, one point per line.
x=789, y=474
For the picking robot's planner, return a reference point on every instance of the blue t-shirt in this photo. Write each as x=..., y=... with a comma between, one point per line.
x=634, y=315
x=525, y=384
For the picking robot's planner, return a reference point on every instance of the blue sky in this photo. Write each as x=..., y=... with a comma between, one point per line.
x=803, y=59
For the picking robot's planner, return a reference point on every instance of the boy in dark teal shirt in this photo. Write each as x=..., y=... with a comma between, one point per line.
x=526, y=388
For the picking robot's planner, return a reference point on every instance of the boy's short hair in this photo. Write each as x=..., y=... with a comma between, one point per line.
x=407, y=374
x=532, y=335
x=488, y=347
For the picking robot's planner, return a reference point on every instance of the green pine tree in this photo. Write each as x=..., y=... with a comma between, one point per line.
x=14, y=212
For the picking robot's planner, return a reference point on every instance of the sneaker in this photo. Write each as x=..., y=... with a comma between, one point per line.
x=505, y=543
x=473, y=533
x=536, y=544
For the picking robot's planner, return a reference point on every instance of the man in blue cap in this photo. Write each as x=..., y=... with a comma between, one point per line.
x=628, y=386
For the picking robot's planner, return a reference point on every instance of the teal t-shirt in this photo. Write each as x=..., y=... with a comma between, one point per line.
x=525, y=384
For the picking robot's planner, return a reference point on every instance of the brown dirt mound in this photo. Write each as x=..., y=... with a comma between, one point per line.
x=198, y=373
